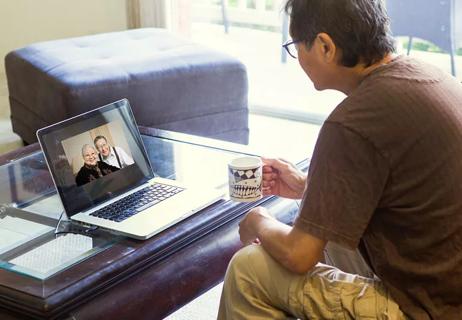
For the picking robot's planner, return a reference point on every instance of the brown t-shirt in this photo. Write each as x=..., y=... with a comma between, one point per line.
x=386, y=175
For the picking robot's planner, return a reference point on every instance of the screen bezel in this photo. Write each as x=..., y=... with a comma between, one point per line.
x=57, y=132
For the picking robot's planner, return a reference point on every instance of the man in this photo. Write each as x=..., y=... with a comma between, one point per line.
x=92, y=169
x=385, y=177
x=115, y=156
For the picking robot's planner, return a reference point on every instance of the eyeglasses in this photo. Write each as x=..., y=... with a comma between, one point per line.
x=292, y=48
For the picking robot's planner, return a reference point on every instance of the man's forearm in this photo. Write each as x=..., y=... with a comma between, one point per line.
x=295, y=250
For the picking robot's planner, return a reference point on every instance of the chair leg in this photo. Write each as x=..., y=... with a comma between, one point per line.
x=453, y=64
x=285, y=36
x=224, y=13
x=409, y=46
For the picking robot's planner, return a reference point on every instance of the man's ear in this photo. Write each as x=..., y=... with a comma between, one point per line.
x=326, y=46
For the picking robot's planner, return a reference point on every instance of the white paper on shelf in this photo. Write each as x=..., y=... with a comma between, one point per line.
x=57, y=252
x=15, y=231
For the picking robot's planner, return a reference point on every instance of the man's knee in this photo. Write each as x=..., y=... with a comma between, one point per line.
x=249, y=290
x=246, y=261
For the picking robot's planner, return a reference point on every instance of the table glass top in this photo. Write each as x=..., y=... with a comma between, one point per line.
x=30, y=208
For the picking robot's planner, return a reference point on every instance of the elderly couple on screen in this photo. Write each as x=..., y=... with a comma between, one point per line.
x=100, y=160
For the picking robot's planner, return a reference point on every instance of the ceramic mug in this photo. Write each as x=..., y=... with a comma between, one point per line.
x=245, y=179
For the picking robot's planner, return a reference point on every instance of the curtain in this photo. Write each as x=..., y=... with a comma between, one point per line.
x=147, y=13
x=174, y=15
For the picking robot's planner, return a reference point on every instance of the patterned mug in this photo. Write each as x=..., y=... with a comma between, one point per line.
x=245, y=179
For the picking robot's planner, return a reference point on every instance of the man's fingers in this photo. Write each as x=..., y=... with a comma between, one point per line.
x=267, y=188
x=269, y=162
x=268, y=183
x=270, y=176
x=277, y=164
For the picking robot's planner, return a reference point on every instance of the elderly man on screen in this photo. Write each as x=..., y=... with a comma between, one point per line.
x=114, y=156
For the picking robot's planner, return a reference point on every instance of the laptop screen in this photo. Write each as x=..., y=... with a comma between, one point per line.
x=95, y=156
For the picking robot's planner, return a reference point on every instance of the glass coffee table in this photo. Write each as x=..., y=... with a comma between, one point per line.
x=56, y=270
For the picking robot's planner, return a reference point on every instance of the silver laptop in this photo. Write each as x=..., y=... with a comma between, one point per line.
x=104, y=178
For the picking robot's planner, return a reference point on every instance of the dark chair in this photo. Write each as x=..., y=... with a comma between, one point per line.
x=431, y=20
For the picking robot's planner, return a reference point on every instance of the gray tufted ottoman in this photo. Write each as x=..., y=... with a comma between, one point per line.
x=171, y=83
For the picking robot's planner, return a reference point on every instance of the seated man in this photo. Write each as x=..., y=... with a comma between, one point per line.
x=92, y=169
x=385, y=177
x=115, y=156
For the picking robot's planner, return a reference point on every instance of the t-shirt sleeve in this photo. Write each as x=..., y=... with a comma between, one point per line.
x=346, y=178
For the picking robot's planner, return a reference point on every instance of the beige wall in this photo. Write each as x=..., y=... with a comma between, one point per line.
x=26, y=21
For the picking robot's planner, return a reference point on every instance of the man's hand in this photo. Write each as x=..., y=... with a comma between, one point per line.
x=249, y=224
x=281, y=178
x=295, y=249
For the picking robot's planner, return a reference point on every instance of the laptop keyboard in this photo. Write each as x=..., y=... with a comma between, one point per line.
x=136, y=202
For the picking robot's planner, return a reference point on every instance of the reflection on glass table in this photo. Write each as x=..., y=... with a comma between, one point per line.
x=29, y=214
x=25, y=180
x=30, y=244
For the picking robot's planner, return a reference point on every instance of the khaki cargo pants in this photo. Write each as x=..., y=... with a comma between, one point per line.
x=257, y=287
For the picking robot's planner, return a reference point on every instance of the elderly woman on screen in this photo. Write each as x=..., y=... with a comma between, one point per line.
x=92, y=168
